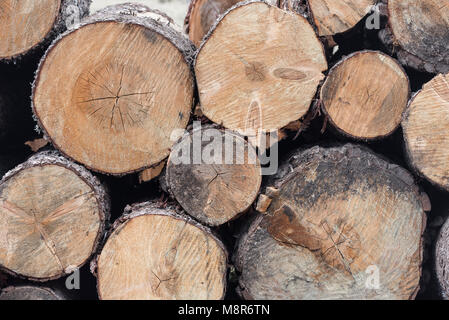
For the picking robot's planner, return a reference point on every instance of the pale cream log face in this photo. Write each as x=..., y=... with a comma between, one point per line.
x=154, y=257
x=51, y=221
x=110, y=94
x=426, y=131
x=259, y=69
x=25, y=23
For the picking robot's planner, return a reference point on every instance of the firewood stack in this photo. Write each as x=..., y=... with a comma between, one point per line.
x=291, y=149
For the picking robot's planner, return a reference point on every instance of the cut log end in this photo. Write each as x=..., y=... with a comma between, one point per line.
x=25, y=24
x=424, y=127
x=365, y=95
x=332, y=17
x=247, y=65
x=442, y=260
x=53, y=214
x=31, y=293
x=328, y=233
x=156, y=254
x=202, y=16
x=220, y=185
x=126, y=88
x=420, y=30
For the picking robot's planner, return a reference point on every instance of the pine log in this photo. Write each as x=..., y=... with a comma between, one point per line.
x=127, y=86
x=155, y=253
x=442, y=260
x=425, y=131
x=29, y=293
x=358, y=101
x=215, y=175
x=418, y=31
x=52, y=216
x=202, y=15
x=152, y=173
x=259, y=68
x=337, y=216
x=331, y=17
x=28, y=24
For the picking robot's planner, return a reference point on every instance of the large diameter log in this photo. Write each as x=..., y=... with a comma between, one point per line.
x=418, y=31
x=127, y=86
x=156, y=253
x=27, y=24
x=52, y=216
x=259, y=68
x=425, y=131
x=29, y=293
x=357, y=99
x=342, y=224
x=215, y=175
x=442, y=260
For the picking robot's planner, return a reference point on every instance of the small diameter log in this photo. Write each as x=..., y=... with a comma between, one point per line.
x=425, y=131
x=154, y=253
x=418, y=31
x=442, y=260
x=127, y=86
x=202, y=15
x=342, y=224
x=329, y=16
x=358, y=100
x=215, y=175
x=152, y=173
x=52, y=216
x=27, y=24
x=29, y=293
x=259, y=68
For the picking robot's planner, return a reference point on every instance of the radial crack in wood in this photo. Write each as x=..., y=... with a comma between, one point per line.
x=345, y=224
x=259, y=68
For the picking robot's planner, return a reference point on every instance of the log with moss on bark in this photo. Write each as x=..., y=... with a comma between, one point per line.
x=127, y=85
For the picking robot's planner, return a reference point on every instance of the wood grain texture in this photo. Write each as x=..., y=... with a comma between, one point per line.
x=359, y=101
x=336, y=213
x=215, y=190
x=425, y=131
x=29, y=293
x=53, y=214
x=157, y=254
x=27, y=24
x=332, y=17
x=420, y=32
x=442, y=260
x=127, y=86
x=259, y=68
x=202, y=15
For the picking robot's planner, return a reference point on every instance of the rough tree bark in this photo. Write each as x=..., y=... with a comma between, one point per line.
x=425, y=131
x=331, y=17
x=29, y=24
x=52, y=217
x=215, y=175
x=342, y=224
x=358, y=101
x=29, y=293
x=263, y=64
x=418, y=32
x=127, y=85
x=156, y=252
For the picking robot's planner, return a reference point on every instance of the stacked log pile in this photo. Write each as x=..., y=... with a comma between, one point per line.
x=290, y=149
